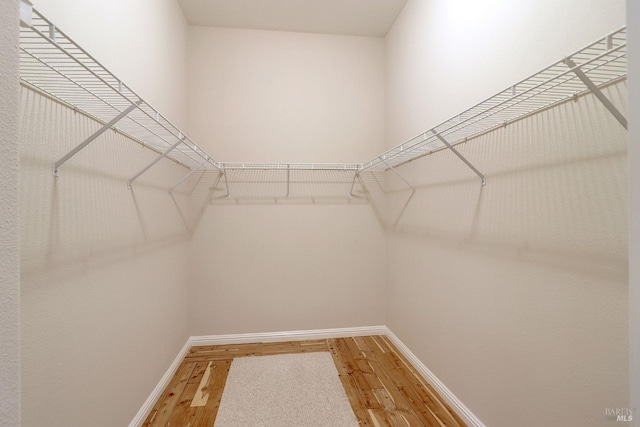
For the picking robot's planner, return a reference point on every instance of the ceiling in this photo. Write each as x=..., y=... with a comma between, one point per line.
x=371, y=18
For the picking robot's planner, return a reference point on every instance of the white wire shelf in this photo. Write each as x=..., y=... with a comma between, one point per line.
x=292, y=166
x=602, y=62
x=54, y=64
x=315, y=180
x=276, y=183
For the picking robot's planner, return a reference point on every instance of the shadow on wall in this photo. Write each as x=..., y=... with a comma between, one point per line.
x=373, y=183
x=199, y=191
x=87, y=218
x=555, y=194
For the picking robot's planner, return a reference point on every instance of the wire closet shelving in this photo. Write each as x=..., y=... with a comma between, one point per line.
x=596, y=65
x=53, y=63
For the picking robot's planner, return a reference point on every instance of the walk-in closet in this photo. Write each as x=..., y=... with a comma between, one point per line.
x=312, y=212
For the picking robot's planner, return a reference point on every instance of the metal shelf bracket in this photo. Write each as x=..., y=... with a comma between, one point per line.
x=595, y=90
x=191, y=172
x=150, y=165
x=413, y=189
x=226, y=183
x=460, y=156
x=355, y=176
x=288, y=181
x=96, y=134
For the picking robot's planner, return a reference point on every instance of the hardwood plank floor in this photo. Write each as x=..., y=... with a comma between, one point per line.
x=381, y=385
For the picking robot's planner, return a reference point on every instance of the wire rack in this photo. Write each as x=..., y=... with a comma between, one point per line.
x=56, y=65
x=290, y=180
x=53, y=63
x=292, y=166
x=289, y=184
x=601, y=62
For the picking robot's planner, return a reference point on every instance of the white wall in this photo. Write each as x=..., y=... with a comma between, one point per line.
x=142, y=42
x=271, y=96
x=264, y=263
x=102, y=268
x=9, y=260
x=633, y=28
x=514, y=294
x=535, y=311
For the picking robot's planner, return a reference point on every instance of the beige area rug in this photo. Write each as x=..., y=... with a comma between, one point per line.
x=285, y=390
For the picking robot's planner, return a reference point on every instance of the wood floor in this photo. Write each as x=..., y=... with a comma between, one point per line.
x=382, y=386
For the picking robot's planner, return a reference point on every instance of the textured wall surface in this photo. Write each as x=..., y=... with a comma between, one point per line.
x=9, y=250
x=633, y=27
x=513, y=294
x=264, y=263
x=104, y=310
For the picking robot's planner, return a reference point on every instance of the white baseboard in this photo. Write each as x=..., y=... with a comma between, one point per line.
x=162, y=384
x=313, y=334
x=464, y=412
x=446, y=394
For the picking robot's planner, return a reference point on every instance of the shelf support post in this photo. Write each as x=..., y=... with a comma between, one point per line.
x=288, y=182
x=413, y=189
x=96, y=134
x=353, y=184
x=188, y=175
x=460, y=156
x=226, y=183
x=150, y=165
x=596, y=91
